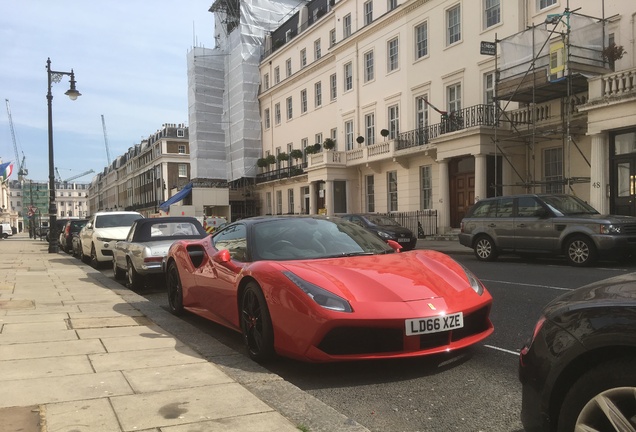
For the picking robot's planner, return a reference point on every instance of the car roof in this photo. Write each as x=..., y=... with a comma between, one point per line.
x=167, y=219
x=102, y=213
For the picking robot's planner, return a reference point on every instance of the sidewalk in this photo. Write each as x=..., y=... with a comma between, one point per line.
x=79, y=352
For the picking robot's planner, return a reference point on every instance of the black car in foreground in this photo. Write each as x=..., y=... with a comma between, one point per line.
x=578, y=372
x=385, y=228
x=71, y=227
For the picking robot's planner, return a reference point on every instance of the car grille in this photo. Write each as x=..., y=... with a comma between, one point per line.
x=372, y=340
x=629, y=229
x=107, y=252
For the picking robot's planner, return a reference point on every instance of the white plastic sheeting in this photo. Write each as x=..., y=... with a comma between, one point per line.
x=225, y=124
x=585, y=45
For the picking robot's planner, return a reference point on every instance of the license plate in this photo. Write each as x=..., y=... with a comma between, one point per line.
x=418, y=326
x=404, y=240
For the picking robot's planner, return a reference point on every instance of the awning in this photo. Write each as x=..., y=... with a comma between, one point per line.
x=165, y=206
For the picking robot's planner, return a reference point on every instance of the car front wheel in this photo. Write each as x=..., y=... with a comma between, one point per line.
x=256, y=324
x=119, y=273
x=83, y=257
x=580, y=251
x=175, y=291
x=135, y=280
x=603, y=399
x=485, y=249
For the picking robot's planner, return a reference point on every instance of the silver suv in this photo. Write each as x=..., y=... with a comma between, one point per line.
x=546, y=224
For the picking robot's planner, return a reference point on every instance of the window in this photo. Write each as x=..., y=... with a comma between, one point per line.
x=181, y=150
x=421, y=40
x=421, y=120
x=277, y=113
x=303, y=101
x=332, y=37
x=290, y=111
x=489, y=88
x=234, y=241
x=426, y=187
x=180, y=133
x=276, y=75
x=318, y=94
x=453, y=25
x=334, y=134
x=349, y=135
x=183, y=170
x=542, y=4
x=303, y=58
x=333, y=87
x=279, y=202
x=318, y=138
x=348, y=76
x=268, y=203
x=394, y=122
x=392, y=189
x=317, y=50
x=290, y=201
x=266, y=118
x=391, y=4
x=288, y=35
x=492, y=12
x=266, y=81
x=346, y=26
x=392, y=54
x=370, y=194
x=454, y=97
x=288, y=68
x=369, y=128
x=368, y=12
x=303, y=145
x=553, y=170
x=368, y=66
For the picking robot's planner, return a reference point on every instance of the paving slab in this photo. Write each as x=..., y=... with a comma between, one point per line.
x=261, y=422
x=175, y=377
x=148, y=331
x=136, y=343
x=42, y=336
x=95, y=415
x=128, y=360
x=44, y=367
x=50, y=349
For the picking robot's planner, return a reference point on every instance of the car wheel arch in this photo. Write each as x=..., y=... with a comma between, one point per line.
x=577, y=367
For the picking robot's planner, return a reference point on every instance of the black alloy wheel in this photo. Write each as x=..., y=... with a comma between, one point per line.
x=175, y=292
x=256, y=324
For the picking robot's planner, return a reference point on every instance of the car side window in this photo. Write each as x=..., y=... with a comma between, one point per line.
x=484, y=209
x=234, y=240
x=504, y=207
x=529, y=207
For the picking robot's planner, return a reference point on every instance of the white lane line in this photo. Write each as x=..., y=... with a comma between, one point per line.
x=502, y=349
x=528, y=285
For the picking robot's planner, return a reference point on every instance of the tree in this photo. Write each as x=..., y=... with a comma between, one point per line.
x=271, y=159
x=261, y=162
x=296, y=154
x=310, y=150
x=283, y=156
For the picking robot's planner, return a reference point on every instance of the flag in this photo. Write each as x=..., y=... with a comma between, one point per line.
x=5, y=171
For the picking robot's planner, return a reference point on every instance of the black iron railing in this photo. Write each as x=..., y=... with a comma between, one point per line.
x=281, y=173
x=422, y=222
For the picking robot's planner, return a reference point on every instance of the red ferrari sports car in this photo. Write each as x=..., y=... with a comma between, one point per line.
x=321, y=289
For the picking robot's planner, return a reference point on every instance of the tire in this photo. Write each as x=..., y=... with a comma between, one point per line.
x=83, y=257
x=580, y=251
x=256, y=324
x=93, y=257
x=5, y=236
x=612, y=384
x=175, y=290
x=119, y=273
x=135, y=280
x=485, y=249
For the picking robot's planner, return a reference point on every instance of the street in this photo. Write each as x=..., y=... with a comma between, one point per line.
x=476, y=389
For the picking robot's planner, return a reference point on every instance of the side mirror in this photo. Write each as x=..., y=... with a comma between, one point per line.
x=395, y=245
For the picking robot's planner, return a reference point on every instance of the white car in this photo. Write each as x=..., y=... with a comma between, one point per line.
x=6, y=230
x=102, y=231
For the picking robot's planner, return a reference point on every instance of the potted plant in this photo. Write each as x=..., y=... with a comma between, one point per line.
x=283, y=156
x=329, y=144
x=317, y=147
x=270, y=159
x=310, y=150
x=261, y=162
x=296, y=154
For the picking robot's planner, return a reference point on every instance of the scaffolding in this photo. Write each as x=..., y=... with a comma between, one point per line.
x=543, y=69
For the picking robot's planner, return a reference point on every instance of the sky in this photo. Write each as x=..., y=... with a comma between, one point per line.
x=129, y=60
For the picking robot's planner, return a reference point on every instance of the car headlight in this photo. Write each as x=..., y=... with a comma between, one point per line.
x=384, y=235
x=610, y=229
x=473, y=281
x=321, y=296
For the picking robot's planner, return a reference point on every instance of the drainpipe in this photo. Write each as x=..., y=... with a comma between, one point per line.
x=633, y=41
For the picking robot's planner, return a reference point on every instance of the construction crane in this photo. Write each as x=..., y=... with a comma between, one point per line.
x=106, y=140
x=22, y=171
x=59, y=177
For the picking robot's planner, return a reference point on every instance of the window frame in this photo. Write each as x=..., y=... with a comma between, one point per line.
x=346, y=26
x=348, y=125
x=348, y=76
x=333, y=87
x=491, y=8
x=369, y=128
x=367, y=8
x=303, y=101
x=318, y=94
x=369, y=69
x=393, y=54
x=392, y=191
x=289, y=104
x=421, y=44
x=453, y=29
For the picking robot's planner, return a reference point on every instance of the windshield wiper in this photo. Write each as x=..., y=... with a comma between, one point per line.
x=348, y=254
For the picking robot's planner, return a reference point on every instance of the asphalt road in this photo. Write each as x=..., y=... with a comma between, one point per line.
x=476, y=389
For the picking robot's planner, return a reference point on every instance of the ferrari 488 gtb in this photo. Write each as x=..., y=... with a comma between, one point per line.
x=318, y=289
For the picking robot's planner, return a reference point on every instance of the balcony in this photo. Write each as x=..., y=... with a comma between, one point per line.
x=282, y=173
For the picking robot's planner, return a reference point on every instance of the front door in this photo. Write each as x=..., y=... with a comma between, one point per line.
x=462, y=188
x=624, y=186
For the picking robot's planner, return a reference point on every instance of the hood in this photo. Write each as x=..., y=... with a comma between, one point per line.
x=617, y=290
x=599, y=218
x=113, y=233
x=400, y=277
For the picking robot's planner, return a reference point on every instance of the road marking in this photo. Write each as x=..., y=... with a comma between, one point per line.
x=502, y=349
x=528, y=285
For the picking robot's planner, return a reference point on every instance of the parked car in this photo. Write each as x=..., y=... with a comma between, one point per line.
x=59, y=227
x=577, y=371
x=71, y=227
x=42, y=231
x=141, y=253
x=103, y=229
x=385, y=228
x=6, y=230
x=324, y=289
x=555, y=224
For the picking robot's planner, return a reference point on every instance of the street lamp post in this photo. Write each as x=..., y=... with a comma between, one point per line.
x=72, y=93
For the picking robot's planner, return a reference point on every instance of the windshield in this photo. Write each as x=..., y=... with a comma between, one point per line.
x=568, y=205
x=116, y=220
x=305, y=238
x=382, y=220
